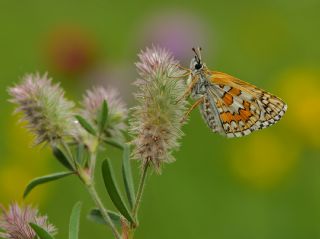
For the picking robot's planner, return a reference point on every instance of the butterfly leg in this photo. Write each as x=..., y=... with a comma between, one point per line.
x=183, y=68
x=188, y=72
x=188, y=91
x=196, y=104
x=181, y=76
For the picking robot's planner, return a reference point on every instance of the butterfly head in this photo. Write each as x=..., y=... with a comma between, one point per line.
x=196, y=62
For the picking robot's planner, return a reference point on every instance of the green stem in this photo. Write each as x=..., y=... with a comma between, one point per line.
x=69, y=155
x=94, y=195
x=140, y=190
x=93, y=159
x=131, y=234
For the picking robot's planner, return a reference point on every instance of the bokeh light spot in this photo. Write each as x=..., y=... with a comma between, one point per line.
x=70, y=50
x=263, y=161
x=300, y=89
x=21, y=164
x=177, y=31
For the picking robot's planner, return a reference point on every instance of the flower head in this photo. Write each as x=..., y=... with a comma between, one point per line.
x=117, y=111
x=48, y=113
x=14, y=222
x=156, y=120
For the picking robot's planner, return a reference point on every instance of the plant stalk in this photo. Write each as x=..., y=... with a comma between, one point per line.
x=92, y=167
x=94, y=195
x=140, y=190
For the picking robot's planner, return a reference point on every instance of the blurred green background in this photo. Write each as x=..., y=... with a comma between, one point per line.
x=263, y=186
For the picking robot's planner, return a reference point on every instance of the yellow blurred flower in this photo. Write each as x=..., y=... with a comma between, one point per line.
x=20, y=164
x=13, y=179
x=263, y=160
x=300, y=89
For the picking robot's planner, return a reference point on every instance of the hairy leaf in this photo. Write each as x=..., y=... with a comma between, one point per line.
x=86, y=125
x=75, y=221
x=112, y=188
x=44, y=179
x=96, y=216
x=127, y=176
x=42, y=233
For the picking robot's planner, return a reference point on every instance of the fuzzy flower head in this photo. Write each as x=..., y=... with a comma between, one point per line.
x=117, y=111
x=156, y=120
x=14, y=222
x=48, y=113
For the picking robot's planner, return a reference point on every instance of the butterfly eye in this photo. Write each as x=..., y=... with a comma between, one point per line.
x=198, y=66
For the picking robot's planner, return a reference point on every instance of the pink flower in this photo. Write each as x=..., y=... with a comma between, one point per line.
x=117, y=111
x=14, y=222
x=48, y=113
x=155, y=122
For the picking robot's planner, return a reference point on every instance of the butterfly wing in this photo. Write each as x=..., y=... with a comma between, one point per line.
x=235, y=108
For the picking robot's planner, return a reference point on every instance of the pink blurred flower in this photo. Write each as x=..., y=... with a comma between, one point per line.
x=14, y=222
x=177, y=31
x=115, y=75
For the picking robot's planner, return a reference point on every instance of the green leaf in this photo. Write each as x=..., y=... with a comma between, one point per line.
x=96, y=216
x=42, y=233
x=127, y=176
x=62, y=158
x=75, y=221
x=86, y=125
x=112, y=188
x=113, y=143
x=103, y=116
x=44, y=179
x=80, y=154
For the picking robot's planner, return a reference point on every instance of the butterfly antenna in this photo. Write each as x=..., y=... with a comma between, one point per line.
x=197, y=52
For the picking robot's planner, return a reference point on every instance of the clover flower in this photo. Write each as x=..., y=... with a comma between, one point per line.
x=155, y=123
x=14, y=222
x=117, y=111
x=48, y=113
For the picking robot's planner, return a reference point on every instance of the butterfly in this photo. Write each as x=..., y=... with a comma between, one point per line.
x=229, y=106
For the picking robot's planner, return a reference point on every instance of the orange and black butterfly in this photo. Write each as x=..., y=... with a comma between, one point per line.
x=230, y=107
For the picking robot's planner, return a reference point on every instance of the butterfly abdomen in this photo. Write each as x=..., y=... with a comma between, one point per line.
x=210, y=115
